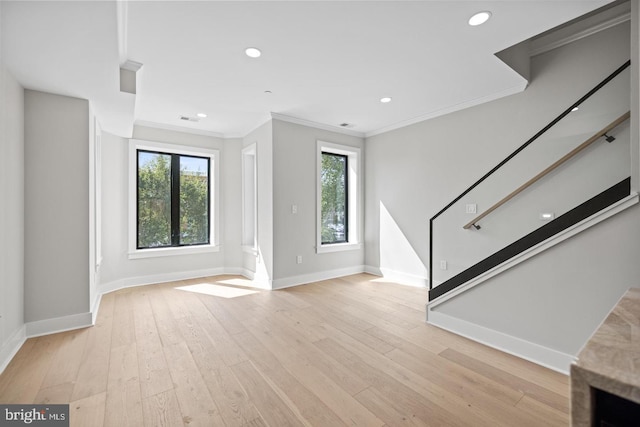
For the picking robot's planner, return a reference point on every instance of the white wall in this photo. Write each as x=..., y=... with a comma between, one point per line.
x=56, y=209
x=260, y=266
x=553, y=302
x=11, y=215
x=294, y=182
x=117, y=269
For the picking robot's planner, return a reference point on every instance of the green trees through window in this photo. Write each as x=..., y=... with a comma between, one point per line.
x=333, y=181
x=173, y=200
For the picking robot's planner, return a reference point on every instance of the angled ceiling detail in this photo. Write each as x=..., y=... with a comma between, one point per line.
x=322, y=62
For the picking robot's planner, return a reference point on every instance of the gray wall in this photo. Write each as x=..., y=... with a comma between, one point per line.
x=56, y=206
x=294, y=182
x=415, y=171
x=12, y=211
x=558, y=298
x=555, y=299
x=231, y=165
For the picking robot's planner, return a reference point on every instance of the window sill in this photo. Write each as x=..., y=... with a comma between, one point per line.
x=338, y=247
x=160, y=252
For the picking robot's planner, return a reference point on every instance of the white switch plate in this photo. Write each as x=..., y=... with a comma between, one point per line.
x=299, y=259
x=472, y=208
x=294, y=209
x=443, y=265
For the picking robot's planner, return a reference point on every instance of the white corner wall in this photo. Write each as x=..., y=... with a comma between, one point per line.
x=294, y=183
x=545, y=308
x=259, y=267
x=56, y=220
x=12, y=330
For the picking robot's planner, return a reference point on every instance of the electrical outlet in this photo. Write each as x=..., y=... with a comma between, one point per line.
x=299, y=259
x=443, y=265
x=471, y=208
x=294, y=209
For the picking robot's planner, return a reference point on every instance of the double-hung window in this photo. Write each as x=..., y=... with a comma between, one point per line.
x=172, y=196
x=338, y=187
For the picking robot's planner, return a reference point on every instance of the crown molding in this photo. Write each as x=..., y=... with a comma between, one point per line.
x=175, y=128
x=457, y=107
x=579, y=30
x=309, y=123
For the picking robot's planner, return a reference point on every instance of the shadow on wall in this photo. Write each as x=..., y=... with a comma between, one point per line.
x=398, y=260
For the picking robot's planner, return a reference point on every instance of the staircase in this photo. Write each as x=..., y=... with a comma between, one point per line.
x=580, y=169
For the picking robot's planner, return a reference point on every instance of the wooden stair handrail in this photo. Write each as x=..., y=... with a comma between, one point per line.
x=559, y=162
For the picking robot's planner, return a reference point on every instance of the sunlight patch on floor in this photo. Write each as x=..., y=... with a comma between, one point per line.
x=216, y=290
x=236, y=282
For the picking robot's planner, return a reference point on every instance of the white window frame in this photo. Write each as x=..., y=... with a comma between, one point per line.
x=213, y=155
x=354, y=211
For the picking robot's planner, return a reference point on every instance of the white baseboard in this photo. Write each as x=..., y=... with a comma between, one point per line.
x=303, y=279
x=11, y=347
x=544, y=356
x=255, y=281
x=398, y=277
x=129, y=282
x=58, y=324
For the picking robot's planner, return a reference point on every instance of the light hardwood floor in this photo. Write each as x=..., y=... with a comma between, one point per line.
x=350, y=351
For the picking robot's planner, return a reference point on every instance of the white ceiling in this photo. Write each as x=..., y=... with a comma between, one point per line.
x=327, y=62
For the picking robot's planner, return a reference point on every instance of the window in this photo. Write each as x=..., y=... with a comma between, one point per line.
x=338, y=197
x=335, y=202
x=172, y=195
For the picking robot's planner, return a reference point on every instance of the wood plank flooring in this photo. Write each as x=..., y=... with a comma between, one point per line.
x=209, y=352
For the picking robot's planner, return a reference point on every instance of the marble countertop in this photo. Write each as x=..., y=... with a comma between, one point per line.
x=610, y=360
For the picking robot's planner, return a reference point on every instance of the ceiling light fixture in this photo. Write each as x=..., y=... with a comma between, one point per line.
x=253, y=52
x=574, y=109
x=479, y=18
x=385, y=100
x=201, y=115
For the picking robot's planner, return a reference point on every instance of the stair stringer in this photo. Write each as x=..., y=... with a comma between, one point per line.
x=510, y=344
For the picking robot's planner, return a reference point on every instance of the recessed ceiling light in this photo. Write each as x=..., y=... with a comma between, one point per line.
x=479, y=18
x=201, y=115
x=385, y=100
x=268, y=92
x=253, y=52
